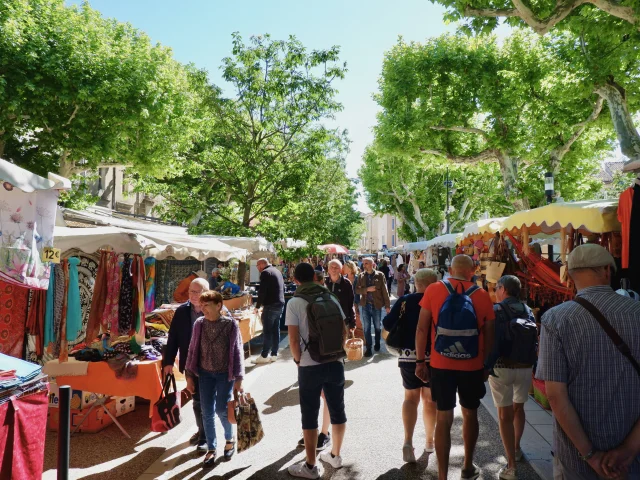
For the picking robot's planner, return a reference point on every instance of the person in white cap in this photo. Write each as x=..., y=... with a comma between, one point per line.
x=592, y=386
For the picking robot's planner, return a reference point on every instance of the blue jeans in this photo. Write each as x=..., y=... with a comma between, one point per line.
x=215, y=391
x=271, y=328
x=370, y=314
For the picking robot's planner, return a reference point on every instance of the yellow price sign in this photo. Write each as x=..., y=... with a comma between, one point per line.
x=50, y=254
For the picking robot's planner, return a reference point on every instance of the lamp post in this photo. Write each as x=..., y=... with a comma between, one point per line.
x=448, y=184
x=549, y=189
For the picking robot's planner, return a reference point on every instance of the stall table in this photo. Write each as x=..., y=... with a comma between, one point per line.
x=100, y=378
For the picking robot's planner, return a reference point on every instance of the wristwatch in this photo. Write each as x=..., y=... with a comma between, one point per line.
x=588, y=456
x=297, y=362
x=421, y=361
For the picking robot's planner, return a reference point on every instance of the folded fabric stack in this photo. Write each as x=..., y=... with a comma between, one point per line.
x=19, y=377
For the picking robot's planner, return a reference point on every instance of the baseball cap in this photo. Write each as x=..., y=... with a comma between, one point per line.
x=590, y=255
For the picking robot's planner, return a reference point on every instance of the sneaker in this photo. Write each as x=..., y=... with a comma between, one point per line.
x=335, y=462
x=302, y=471
x=260, y=360
x=507, y=473
x=429, y=449
x=368, y=353
x=323, y=441
x=470, y=474
x=273, y=358
x=201, y=446
x=408, y=454
x=519, y=455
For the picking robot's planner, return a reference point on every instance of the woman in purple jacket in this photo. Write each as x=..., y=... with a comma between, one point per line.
x=216, y=357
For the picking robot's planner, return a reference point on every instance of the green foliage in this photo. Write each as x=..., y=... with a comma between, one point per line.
x=76, y=86
x=79, y=197
x=266, y=164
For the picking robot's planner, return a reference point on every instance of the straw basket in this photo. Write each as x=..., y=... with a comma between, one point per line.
x=354, y=348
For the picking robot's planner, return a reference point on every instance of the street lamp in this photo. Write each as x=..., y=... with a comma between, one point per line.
x=549, y=190
x=448, y=184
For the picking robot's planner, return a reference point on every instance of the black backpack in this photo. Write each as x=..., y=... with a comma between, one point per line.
x=521, y=336
x=327, y=330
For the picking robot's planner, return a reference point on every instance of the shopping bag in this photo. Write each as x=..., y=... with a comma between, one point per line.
x=166, y=411
x=233, y=407
x=494, y=271
x=249, y=425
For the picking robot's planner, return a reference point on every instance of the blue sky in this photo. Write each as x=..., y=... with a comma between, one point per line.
x=199, y=31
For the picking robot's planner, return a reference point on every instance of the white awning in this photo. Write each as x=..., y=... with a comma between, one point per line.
x=251, y=244
x=30, y=182
x=448, y=240
x=162, y=246
x=90, y=240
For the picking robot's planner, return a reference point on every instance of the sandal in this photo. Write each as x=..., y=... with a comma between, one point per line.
x=228, y=452
x=210, y=459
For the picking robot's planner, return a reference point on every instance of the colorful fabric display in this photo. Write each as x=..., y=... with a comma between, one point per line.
x=74, y=310
x=98, y=299
x=36, y=318
x=150, y=284
x=112, y=302
x=125, y=306
x=13, y=318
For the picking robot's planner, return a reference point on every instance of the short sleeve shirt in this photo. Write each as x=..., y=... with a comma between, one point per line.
x=433, y=299
x=297, y=316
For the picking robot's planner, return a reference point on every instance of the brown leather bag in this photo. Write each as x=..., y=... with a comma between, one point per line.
x=233, y=406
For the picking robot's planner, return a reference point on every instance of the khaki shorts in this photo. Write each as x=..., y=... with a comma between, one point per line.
x=511, y=385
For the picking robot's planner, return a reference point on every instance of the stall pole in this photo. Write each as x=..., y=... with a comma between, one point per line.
x=63, y=432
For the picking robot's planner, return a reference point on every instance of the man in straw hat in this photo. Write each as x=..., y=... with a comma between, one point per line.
x=592, y=386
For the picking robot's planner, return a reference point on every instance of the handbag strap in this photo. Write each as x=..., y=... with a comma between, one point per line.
x=609, y=330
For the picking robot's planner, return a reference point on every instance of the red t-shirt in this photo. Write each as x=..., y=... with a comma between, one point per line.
x=433, y=299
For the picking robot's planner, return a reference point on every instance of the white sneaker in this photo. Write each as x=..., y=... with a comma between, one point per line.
x=260, y=360
x=273, y=358
x=335, y=462
x=506, y=473
x=301, y=470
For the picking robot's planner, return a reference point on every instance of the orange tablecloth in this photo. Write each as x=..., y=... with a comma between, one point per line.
x=101, y=379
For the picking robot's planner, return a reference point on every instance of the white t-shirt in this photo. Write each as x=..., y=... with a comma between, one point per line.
x=297, y=316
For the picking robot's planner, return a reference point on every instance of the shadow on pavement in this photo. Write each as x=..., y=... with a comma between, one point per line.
x=410, y=471
x=288, y=397
x=377, y=358
x=146, y=457
x=273, y=470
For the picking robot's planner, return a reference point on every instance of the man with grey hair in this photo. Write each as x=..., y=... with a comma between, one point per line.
x=592, y=386
x=179, y=340
x=271, y=299
x=372, y=288
x=510, y=378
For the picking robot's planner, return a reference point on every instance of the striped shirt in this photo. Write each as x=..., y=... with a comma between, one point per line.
x=603, y=386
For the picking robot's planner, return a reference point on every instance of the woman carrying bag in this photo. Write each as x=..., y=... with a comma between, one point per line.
x=216, y=358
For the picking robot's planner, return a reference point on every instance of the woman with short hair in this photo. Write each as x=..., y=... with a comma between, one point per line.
x=407, y=311
x=216, y=358
x=401, y=277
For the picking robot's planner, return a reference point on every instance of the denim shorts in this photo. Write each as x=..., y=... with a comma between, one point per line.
x=313, y=380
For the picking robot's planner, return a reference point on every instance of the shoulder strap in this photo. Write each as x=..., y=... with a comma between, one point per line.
x=609, y=330
x=448, y=286
x=472, y=289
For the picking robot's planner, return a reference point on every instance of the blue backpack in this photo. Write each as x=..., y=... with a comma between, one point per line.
x=457, y=334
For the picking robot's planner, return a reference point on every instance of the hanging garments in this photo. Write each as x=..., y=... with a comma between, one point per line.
x=74, y=310
x=110, y=315
x=125, y=306
x=64, y=351
x=138, y=269
x=98, y=299
x=49, y=334
x=634, y=239
x=36, y=318
x=13, y=318
x=150, y=284
x=58, y=304
x=625, y=204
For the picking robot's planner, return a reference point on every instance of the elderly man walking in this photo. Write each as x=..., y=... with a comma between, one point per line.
x=271, y=298
x=178, y=341
x=593, y=387
x=372, y=288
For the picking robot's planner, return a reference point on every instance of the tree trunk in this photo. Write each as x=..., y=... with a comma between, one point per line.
x=622, y=122
x=242, y=272
x=2, y=144
x=246, y=216
x=509, y=169
x=66, y=168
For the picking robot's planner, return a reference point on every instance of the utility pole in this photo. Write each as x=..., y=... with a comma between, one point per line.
x=448, y=184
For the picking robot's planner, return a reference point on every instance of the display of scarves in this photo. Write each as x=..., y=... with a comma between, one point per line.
x=58, y=301
x=125, y=307
x=111, y=305
x=169, y=273
x=49, y=334
x=98, y=299
x=138, y=271
x=13, y=318
x=64, y=353
x=74, y=310
x=36, y=318
x=150, y=284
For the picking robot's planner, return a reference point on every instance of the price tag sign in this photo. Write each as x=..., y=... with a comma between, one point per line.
x=50, y=254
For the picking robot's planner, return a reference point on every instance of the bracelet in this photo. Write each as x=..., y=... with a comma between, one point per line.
x=588, y=456
x=297, y=362
x=421, y=361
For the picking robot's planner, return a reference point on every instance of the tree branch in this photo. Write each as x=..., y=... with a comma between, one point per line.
x=73, y=115
x=488, y=154
x=562, y=10
x=476, y=131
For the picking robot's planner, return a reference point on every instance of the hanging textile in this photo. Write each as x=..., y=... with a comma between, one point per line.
x=169, y=274
x=138, y=270
x=87, y=270
x=634, y=239
x=625, y=204
x=98, y=299
x=58, y=303
x=74, y=311
x=110, y=316
x=36, y=317
x=125, y=307
x=64, y=344
x=49, y=334
x=150, y=284
x=13, y=318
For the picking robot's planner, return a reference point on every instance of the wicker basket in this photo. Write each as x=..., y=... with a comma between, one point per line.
x=354, y=348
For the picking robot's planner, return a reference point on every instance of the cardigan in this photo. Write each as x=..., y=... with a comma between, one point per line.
x=236, y=361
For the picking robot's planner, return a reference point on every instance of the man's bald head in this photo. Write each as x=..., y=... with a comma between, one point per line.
x=462, y=267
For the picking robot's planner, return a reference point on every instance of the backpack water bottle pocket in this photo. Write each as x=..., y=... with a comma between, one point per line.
x=457, y=344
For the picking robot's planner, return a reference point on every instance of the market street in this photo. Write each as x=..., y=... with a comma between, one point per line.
x=372, y=447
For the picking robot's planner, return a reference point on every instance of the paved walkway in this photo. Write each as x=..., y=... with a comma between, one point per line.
x=373, y=443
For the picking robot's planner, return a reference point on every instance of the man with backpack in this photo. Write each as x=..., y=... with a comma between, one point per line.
x=459, y=317
x=317, y=333
x=510, y=364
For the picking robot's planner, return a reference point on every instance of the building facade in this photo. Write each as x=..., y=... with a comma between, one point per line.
x=381, y=233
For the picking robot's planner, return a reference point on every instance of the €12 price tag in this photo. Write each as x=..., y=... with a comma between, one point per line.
x=50, y=254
